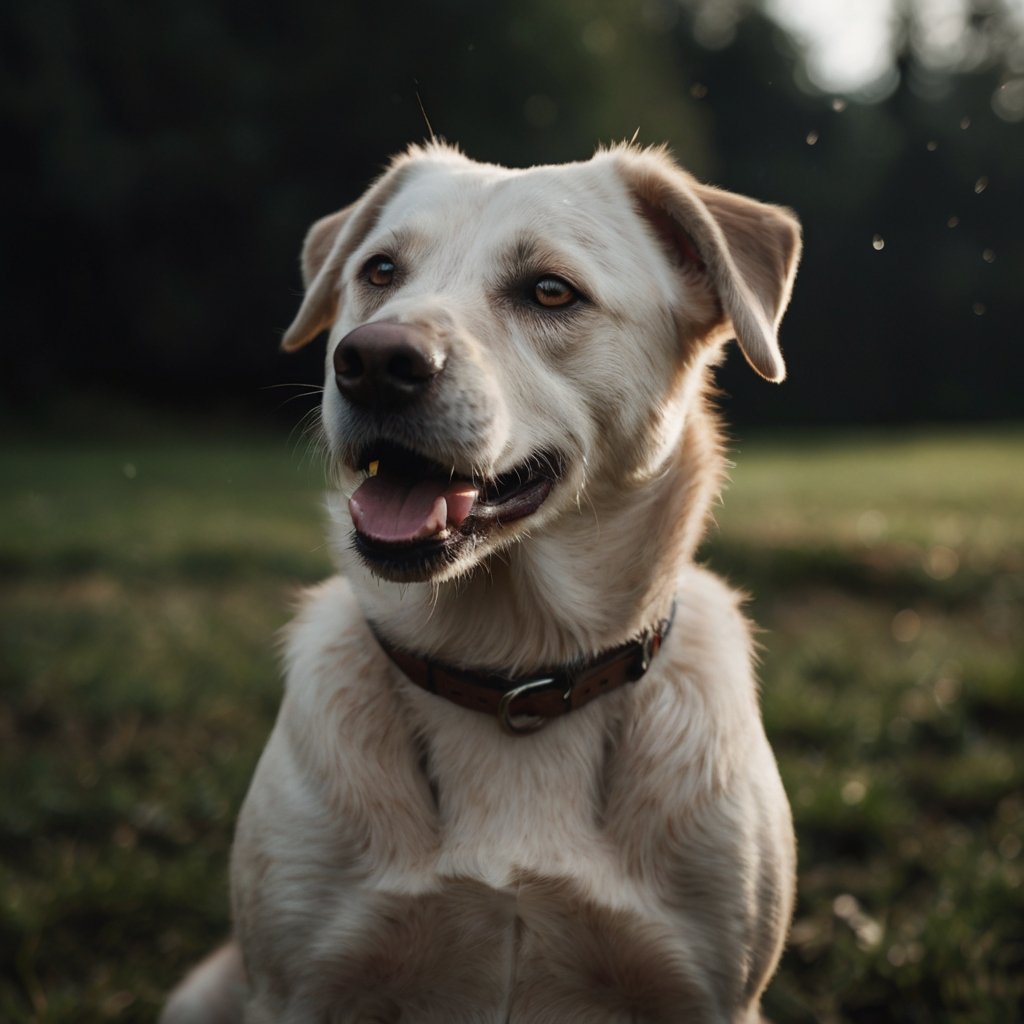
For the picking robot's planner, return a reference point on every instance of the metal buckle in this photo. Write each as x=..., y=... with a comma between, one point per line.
x=644, y=656
x=531, y=724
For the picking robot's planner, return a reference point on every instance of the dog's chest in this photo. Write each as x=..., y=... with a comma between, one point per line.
x=524, y=900
x=505, y=804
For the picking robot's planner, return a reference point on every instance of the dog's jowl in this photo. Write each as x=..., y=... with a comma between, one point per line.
x=519, y=773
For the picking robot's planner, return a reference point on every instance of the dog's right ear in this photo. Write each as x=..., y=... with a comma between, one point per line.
x=320, y=304
x=329, y=242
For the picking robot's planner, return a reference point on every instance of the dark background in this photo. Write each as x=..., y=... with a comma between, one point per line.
x=164, y=159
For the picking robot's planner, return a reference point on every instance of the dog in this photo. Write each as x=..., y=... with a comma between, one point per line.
x=519, y=772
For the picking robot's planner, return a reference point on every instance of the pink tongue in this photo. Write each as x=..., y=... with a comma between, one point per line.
x=399, y=511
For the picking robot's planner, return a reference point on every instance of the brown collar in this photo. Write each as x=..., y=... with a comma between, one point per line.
x=524, y=704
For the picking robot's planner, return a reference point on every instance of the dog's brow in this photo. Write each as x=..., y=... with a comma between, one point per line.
x=396, y=242
x=522, y=250
x=529, y=254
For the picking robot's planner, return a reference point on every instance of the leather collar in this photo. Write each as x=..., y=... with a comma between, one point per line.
x=524, y=704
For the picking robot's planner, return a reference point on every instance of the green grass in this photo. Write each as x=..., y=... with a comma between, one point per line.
x=143, y=584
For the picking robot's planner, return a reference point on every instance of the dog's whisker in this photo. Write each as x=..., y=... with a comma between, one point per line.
x=301, y=394
x=308, y=390
x=310, y=430
x=596, y=517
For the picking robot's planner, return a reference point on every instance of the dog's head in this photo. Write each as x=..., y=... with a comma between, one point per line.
x=503, y=342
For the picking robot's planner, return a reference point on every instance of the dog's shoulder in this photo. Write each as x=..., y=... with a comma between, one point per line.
x=695, y=717
x=328, y=624
x=717, y=635
x=334, y=671
x=339, y=733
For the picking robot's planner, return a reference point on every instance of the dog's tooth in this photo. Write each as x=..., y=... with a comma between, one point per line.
x=373, y=467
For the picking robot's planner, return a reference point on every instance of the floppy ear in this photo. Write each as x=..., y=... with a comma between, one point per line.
x=320, y=304
x=329, y=242
x=749, y=250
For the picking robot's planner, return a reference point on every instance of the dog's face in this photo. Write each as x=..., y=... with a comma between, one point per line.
x=504, y=344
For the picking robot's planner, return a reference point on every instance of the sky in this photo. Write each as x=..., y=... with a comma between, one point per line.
x=848, y=45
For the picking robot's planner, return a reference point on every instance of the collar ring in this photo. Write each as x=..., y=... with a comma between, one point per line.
x=531, y=723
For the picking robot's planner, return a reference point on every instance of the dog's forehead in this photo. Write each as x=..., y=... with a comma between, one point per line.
x=494, y=204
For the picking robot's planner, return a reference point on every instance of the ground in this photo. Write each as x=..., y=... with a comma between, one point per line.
x=143, y=579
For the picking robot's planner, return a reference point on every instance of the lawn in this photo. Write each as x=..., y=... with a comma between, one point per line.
x=144, y=580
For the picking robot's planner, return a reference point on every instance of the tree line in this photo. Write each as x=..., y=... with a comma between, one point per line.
x=164, y=160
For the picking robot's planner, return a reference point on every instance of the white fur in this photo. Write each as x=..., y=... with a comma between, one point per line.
x=401, y=858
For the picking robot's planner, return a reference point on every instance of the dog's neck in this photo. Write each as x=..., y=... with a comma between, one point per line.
x=575, y=588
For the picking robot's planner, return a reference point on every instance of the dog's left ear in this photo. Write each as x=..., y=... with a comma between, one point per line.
x=328, y=244
x=748, y=249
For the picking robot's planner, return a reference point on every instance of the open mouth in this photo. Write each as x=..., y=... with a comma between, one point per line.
x=412, y=516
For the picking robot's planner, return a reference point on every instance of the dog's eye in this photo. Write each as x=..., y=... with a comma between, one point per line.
x=379, y=271
x=554, y=293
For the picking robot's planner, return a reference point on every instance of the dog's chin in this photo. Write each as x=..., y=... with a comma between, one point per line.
x=483, y=515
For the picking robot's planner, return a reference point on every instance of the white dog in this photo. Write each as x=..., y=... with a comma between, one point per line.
x=519, y=774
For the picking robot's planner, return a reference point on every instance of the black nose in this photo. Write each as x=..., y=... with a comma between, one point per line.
x=385, y=365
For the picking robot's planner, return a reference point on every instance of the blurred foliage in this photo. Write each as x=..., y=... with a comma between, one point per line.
x=164, y=159
x=143, y=579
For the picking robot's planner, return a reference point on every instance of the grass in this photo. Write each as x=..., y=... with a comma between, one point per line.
x=143, y=582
